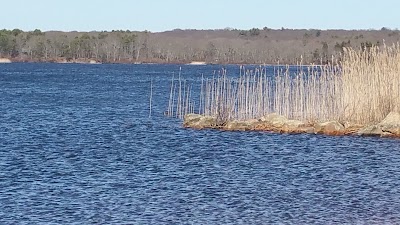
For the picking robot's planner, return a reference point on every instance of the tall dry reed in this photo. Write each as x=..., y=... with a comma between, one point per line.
x=180, y=98
x=363, y=87
x=371, y=83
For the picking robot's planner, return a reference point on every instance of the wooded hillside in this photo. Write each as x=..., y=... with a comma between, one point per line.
x=183, y=46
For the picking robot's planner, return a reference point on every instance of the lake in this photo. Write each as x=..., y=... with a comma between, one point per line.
x=78, y=146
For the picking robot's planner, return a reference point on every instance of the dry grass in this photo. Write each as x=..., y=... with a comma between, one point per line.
x=180, y=102
x=362, y=88
x=371, y=83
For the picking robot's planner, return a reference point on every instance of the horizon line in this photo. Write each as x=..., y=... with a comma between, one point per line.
x=208, y=29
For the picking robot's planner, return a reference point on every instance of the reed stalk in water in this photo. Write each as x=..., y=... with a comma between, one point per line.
x=151, y=96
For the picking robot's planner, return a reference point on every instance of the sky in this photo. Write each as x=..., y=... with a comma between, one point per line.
x=162, y=15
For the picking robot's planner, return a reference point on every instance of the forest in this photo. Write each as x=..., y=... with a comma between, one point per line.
x=224, y=46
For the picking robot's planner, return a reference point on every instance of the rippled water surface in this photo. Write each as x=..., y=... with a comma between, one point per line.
x=77, y=146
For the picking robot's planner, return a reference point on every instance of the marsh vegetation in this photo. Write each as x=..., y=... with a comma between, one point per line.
x=361, y=88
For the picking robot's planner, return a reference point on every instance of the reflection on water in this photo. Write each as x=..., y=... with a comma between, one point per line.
x=77, y=146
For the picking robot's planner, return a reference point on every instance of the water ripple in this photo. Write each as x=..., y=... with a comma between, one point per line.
x=77, y=147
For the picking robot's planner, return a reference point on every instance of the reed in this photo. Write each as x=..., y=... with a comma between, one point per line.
x=363, y=87
x=151, y=97
x=180, y=98
x=371, y=83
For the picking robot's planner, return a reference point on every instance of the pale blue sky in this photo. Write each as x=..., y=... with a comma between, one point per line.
x=160, y=15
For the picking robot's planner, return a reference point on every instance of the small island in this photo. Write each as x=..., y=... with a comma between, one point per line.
x=389, y=127
x=357, y=95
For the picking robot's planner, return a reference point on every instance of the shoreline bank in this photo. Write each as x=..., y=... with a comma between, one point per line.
x=150, y=62
x=388, y=127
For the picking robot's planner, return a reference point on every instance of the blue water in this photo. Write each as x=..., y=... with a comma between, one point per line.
x=77, y=146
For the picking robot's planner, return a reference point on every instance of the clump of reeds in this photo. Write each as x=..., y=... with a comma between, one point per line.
x=362, y=88
x=371, y=83
x=255, y=94
x=180, y=99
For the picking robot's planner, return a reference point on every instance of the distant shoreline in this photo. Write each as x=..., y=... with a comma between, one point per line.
x=253, y=46
x=95, y=62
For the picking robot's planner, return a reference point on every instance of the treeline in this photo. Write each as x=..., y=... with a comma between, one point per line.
x=183, y=46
